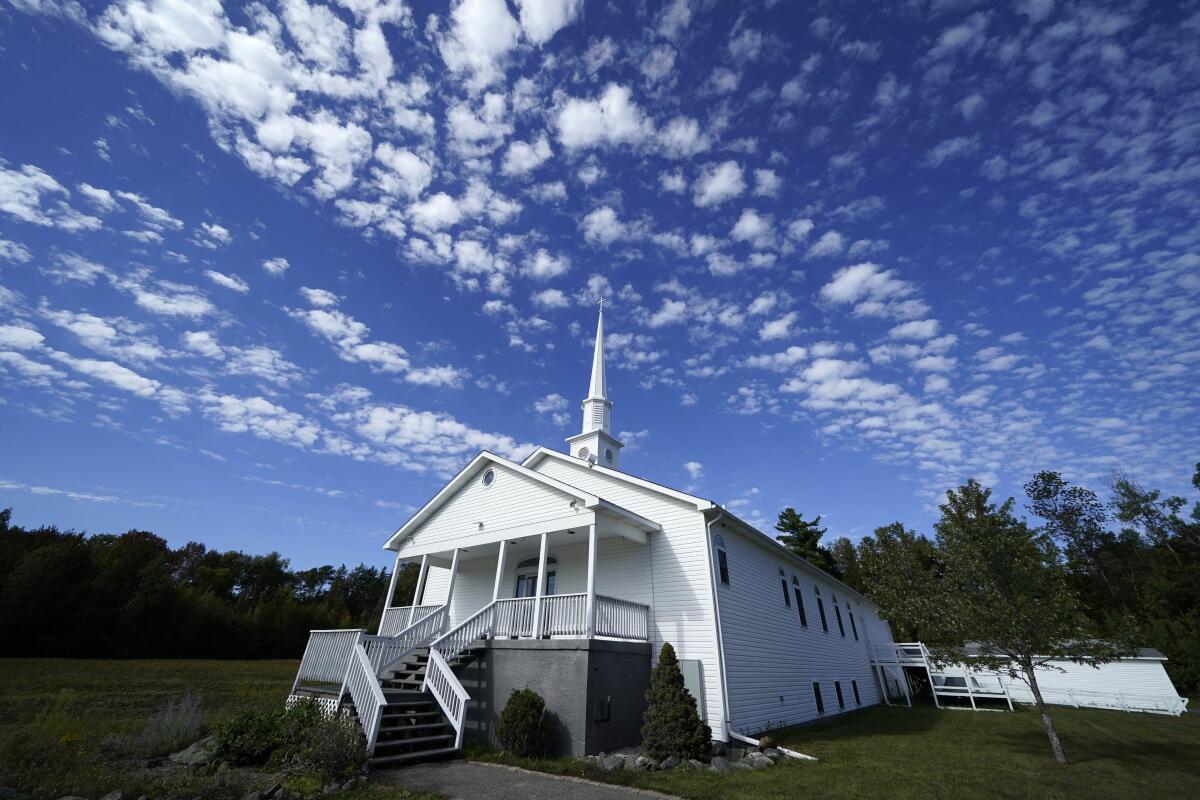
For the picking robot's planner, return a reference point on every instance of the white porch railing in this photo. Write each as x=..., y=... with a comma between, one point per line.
x=621, y=619
x=363, y=686
x=326, y=657
x=564, y=615
x=514, y=617
x=397, y=618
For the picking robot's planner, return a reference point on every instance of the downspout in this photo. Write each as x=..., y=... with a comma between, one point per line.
x=730, y=733
x=712, y=582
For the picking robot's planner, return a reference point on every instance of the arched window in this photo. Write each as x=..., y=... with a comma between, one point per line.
x=799, y=601
x=821, y=608
x=722, y=559
x=527, y=572
x=837, y=612
x=787, y=596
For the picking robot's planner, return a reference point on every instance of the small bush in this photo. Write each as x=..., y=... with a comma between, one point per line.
x=333, y=749
x=521, y=728
x=672, y=726
x=173, y=727
x=52, y=742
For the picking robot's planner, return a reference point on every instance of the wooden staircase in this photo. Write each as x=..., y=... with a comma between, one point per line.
x=413, y=727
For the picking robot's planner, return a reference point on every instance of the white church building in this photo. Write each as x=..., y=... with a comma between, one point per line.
x=566, y=573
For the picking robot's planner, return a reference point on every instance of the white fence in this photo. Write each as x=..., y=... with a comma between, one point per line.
x=397, y=618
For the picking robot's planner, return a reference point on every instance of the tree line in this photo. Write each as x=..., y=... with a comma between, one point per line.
x=68, y=594
x=1085, y=580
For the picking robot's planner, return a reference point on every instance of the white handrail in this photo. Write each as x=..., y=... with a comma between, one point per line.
x=384, y=651
x=395, y=618
x=443, y=684
x=514, y=617
x=563, y=615
x=366, y=693
x=622, y=619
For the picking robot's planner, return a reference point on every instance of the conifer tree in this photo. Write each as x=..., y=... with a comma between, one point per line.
x=672, y=726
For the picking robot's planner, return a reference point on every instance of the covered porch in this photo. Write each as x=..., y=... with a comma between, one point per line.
x=588, y=580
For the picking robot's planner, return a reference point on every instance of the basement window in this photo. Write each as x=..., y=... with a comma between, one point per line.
x=837, y=687
x=722, y=560
x=857, y=698
x=787, y=596
x=817, y=698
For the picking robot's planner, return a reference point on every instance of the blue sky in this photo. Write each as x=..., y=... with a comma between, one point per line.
x=271, y=272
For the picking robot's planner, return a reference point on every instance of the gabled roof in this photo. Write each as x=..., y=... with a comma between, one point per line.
x=699, y=502
x=587, y=499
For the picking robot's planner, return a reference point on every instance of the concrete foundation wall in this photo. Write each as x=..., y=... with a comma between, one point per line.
x=595, y=690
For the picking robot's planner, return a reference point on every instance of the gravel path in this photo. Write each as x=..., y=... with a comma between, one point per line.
x=465, y=780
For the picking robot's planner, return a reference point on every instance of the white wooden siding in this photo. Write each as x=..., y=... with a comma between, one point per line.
x=771, y=660
x=1138, y=682
x=681, y=600
x=511, y=500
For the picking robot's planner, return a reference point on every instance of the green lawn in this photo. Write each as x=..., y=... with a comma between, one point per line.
x=880, y=752
x=925, y=753
x=70, y=712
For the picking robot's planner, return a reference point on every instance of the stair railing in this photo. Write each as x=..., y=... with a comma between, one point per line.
x=384, y=651
x=364, y=689
x=440, y=679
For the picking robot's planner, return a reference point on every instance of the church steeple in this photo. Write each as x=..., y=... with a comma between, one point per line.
x=595, y=442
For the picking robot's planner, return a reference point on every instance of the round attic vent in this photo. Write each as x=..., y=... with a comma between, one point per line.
x=489, y=477
x=583, y=453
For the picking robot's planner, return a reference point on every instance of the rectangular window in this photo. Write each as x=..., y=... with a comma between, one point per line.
x=824, y=622
x=817, y=698
x=723, y=566
x=787, y=597
x=857, y=698
x=800, y=606
x=853, y=627
x=837, y=611
x=837, y=687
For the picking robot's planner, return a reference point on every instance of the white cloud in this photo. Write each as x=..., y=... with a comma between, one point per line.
x=799, y=229
x=831, y=243
x=763, y=304
x=611, y=119
x=682, y=138
x=950, y=149
x=658, y=63
x=101, y=198
x=766, y=183
x=23, y=192
x=673, y=182
x=602, y=226
x=873, y=291
x=543, y=266
x=671, y=313
x=718, y=183
x=403, y=172
x=550, y=298
x=758, y=231
x=321, y=298
x=211, y=235
x=14, y=252
x=228, y=281
x=481, y=35
x=779, y=328
x=523, y=157
x=436, y=212
x=541, y=19
x=915, y=329
x=695, y=469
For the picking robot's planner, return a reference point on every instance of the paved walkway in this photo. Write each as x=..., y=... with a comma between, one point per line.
x=465, y=780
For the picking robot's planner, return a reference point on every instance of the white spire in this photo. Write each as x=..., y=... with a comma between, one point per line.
x=595, y=443
x=598, y=389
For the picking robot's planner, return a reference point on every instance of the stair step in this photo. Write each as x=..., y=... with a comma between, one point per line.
x=390, y=743
x=400, y=758
x=424, y=726
x=409, y=715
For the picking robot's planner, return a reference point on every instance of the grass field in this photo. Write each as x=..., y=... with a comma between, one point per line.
x=879, y=752
x=73, y=710
x=928, y=754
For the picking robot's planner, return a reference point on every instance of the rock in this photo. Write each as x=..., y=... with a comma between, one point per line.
x=719, y=764
x=718, y=748
x=72, y=797
x=197, y=753
x=643, y=764
x=761, y=762
x=773, y=753
x=353, y=783
x=693, y=763
x=766, y=743
x=251, y=796
x=741, y=765
x=267, y=794
x=612, y=763
x=670, y=762
x=113, y=795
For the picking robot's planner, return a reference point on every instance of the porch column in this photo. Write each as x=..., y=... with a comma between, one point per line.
x=499, y=570
x=416, y=601
x=453, y=575
x=391, y=591
x=540, y=591
x=590, y=611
